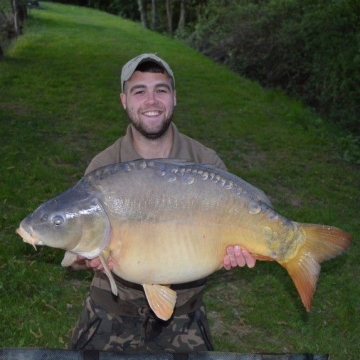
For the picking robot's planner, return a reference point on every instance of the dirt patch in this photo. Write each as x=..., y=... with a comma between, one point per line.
x=16, y=108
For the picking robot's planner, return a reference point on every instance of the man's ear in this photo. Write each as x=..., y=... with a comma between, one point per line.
x=175, y=98
x=123, y=100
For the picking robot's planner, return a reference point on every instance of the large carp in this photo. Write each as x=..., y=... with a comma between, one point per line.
x=166, y=221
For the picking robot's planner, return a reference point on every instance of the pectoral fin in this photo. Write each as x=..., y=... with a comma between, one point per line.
x=161, y=299
x=69, y=258
x=114, y=289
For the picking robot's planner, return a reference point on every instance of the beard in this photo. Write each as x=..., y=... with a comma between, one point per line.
x=152, y=134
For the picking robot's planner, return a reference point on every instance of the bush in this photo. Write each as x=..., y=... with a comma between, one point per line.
x=309, y=49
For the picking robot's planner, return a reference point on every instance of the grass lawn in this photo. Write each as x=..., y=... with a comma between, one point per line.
x=59, y=106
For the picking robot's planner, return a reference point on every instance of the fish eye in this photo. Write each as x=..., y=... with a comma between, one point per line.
x=58, y=220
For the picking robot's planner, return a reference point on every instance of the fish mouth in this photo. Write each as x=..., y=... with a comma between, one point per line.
x=28, y=237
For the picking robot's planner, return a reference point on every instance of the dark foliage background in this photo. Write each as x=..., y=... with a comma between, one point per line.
x=310, y=49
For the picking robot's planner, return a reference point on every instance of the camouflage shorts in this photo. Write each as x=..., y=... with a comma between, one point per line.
x=99, y=330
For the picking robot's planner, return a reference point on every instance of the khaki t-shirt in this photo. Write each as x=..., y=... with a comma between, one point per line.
x=183, y=147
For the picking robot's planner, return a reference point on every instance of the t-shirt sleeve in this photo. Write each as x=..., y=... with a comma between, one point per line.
x=218, y=162
x=110, y=155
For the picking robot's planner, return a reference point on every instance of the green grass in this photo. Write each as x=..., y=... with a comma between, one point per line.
x=59, y=106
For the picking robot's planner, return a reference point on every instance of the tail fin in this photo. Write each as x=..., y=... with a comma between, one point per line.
x=321, y=243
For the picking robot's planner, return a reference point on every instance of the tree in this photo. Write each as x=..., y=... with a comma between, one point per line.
x=142, y=10
x=16, y=17
x=154, y=14
x=168, y=5
x=182, y=17
x=19, y=15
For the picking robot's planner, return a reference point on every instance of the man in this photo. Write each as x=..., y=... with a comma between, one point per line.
x=125, y=323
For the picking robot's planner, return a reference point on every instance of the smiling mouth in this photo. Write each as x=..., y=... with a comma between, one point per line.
x=152, y=113
x=27, y=237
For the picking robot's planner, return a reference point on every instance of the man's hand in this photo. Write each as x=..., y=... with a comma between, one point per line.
x=237, y=257
x=83, y=263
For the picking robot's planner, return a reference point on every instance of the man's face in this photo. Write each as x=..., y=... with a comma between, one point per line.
x=149, y=101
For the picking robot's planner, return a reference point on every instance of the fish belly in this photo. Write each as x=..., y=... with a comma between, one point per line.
x=176, y=252
x=167, y=253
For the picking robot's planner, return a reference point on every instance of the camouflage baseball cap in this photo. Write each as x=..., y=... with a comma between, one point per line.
x=129, y=68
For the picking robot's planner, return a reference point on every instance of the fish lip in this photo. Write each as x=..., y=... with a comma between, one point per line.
x=28, y=237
